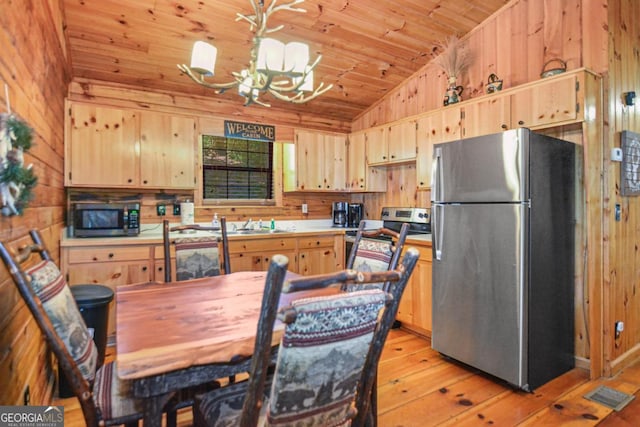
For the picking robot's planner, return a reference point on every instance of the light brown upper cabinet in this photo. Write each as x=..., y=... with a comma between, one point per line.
x=111, y=147
x=167, y=151
x=392, y=143
x=361, y=176
x=438, y=126
x=321, y=160
x=101, y=146
x=545, y=103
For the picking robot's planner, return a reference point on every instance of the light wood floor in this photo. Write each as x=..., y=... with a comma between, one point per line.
x=417, y=387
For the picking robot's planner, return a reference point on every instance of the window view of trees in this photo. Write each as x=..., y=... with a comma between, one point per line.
x=237, y=168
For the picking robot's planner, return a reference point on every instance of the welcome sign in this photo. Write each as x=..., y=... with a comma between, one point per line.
x=254, y=131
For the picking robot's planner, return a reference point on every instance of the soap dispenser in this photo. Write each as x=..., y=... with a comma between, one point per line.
x=215, y=223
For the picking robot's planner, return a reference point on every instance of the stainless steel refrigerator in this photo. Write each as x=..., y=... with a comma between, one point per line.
x=503, y=218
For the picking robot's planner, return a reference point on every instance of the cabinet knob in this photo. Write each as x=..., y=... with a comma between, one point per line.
x=393, y=157
x=384, y=157
x=129, y=180
x=520, y=122
x=111, y=255
x=144, y=268
x=144, y=182
x=503, y=126
x=421, y=183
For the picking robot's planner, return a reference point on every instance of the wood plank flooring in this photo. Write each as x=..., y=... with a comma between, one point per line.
x=417, y=388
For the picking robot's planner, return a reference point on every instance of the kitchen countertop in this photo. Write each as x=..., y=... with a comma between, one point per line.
x=151, y=234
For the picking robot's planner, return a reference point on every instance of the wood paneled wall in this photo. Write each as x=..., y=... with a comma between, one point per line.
x=34, y=65
x=622, y=238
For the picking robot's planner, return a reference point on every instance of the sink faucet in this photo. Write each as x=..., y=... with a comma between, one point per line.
x=248, y=224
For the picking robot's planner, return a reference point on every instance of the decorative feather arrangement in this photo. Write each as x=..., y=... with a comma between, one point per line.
x=455, y=57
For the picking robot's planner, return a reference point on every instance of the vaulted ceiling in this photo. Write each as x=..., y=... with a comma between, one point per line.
x=368, y=46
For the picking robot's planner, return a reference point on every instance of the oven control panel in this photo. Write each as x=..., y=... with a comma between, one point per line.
x=415, y=215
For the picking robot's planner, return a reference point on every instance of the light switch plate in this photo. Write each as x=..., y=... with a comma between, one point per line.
x=616, y=154
x=305, y=208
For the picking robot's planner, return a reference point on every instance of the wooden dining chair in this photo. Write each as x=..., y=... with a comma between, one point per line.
x=327, y=359
x=196, y=256
x=104, y=399
x=370, y=253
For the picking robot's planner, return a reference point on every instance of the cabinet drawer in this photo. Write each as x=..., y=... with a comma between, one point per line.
x=425, y=251
x=105, y=254
x=258, y=245
x=315, y=242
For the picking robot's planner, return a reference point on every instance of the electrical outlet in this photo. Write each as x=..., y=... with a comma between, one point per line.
x=305, y=208
x=619, y=328
x=26, y=396
x=176, y=208
x=161, y=210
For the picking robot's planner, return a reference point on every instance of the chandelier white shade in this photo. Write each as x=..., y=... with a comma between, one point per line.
x=280, y=69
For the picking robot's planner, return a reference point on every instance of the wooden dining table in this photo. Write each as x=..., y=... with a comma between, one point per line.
x=171, y=336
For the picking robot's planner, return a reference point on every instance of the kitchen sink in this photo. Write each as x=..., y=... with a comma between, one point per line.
x=252, y=231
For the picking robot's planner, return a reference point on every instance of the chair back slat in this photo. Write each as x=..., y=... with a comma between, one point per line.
x=206, y=249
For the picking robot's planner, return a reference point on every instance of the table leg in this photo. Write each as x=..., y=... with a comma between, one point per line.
x=153, y=407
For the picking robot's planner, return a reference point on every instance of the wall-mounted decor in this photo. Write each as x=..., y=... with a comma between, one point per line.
x=630, y=167
x=16, y=180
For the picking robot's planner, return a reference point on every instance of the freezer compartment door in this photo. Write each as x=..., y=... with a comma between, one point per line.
x=479, y=287
x=490, y=168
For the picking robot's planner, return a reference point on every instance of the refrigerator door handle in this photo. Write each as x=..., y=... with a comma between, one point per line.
x=436, y=175
x=438, y=220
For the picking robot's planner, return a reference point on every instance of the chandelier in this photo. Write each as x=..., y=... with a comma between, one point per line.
x=283, y=70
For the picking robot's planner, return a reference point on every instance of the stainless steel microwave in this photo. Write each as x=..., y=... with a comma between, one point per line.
x=104, y=219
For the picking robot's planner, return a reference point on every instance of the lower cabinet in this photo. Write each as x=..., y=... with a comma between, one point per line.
x=109, y=266
x=414, y=311
x=318, y=255
x=255, y=255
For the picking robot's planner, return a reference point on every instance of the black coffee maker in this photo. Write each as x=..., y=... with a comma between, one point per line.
x=356, y=214
x=340, y=214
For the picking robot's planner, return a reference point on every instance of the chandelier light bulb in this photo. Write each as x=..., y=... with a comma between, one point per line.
x=296, y=57
x=270, y=55
x=203, y=58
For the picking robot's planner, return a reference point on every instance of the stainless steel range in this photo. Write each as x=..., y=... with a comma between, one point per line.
x=419, y=220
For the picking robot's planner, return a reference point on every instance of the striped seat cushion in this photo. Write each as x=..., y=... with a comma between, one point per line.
x=57, y=301
x=197, y=257
x=112, y=396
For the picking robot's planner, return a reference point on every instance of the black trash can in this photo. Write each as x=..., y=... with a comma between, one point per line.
x=93, y=302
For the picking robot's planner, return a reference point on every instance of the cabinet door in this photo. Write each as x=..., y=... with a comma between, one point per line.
x=102, y=147
x=309, y=160
x=167, y=151
x=335, y=162
x=317, y=255
x=356, y=164
x=401, y=139
x=111, y=274
x=545, y=104
x=377, y=145
x=421, y=292
x=450, y=125
x=488, y=116
x=245, y=262
x=425, y=135
x=361, y=176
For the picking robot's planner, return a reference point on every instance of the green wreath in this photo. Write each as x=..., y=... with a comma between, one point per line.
x=16, y=180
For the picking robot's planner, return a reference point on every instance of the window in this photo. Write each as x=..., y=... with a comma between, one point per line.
x=239, y=169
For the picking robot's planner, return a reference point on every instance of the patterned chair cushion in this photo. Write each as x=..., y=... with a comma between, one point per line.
x=113, y=396
x=197, y=257
x=321, y=358
x=371, y=256
x=57, y=300
x=223, y=407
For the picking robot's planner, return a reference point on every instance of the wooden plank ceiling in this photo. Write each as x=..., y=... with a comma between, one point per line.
x=368, y=46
